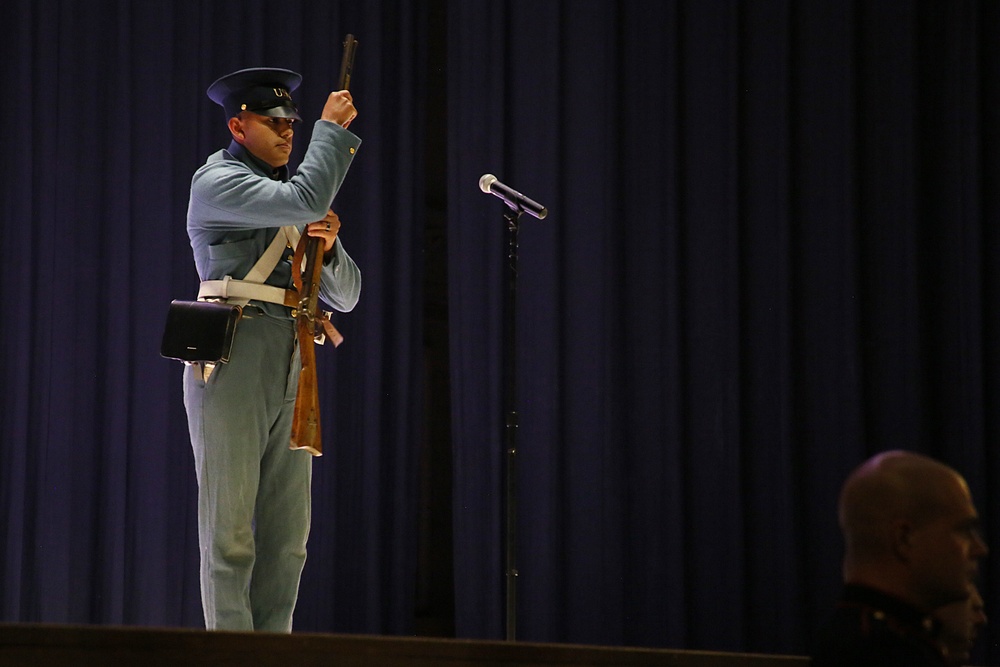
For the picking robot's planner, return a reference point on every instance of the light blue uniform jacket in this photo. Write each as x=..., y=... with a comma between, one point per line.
x=236, y=208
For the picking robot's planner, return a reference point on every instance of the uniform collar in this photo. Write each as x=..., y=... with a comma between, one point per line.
x=891, y=606
x=238, y=151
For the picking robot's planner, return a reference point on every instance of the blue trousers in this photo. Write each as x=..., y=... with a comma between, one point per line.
x=254, y=504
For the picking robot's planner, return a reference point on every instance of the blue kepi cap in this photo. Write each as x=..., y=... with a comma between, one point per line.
x=263, y=90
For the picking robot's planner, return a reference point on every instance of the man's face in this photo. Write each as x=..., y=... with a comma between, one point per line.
x=947, y=549
x=269, y=139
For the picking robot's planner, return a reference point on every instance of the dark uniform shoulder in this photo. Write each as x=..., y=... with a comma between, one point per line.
x=876, y=630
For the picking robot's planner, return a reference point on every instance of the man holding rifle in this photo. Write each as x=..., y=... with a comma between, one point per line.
x=244, y=218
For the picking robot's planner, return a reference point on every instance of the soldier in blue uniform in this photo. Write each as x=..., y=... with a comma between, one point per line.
x=912, y=545
x=244, y=216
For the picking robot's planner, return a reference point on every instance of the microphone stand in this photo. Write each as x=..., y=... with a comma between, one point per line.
x=511, y=216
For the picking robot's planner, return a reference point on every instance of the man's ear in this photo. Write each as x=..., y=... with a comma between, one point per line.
x=901, y=537
x=236, y=128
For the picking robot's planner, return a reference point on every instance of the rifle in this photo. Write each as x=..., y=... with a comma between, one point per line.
x=306, y=433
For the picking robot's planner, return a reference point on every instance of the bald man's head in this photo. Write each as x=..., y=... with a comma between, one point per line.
x=887, y=487
x=909, y=524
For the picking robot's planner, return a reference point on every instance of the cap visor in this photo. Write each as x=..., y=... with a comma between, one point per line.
x=278, y=112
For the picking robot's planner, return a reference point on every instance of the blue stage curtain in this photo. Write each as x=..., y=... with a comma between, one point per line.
x=771, y=251
x=107, y=119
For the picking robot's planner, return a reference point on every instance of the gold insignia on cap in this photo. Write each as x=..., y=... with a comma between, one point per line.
x=243, y=107
x=281, y=92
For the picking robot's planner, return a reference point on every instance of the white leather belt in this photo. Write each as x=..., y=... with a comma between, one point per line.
x=240, y=290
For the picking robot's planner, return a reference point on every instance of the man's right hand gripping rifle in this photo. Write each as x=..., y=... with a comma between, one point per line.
x=312, y=324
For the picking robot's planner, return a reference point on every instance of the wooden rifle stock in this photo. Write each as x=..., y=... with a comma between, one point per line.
x=306, y=431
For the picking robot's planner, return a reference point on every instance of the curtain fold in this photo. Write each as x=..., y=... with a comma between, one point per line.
x=769, y=254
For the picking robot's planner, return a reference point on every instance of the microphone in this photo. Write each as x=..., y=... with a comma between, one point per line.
x=490, y=185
